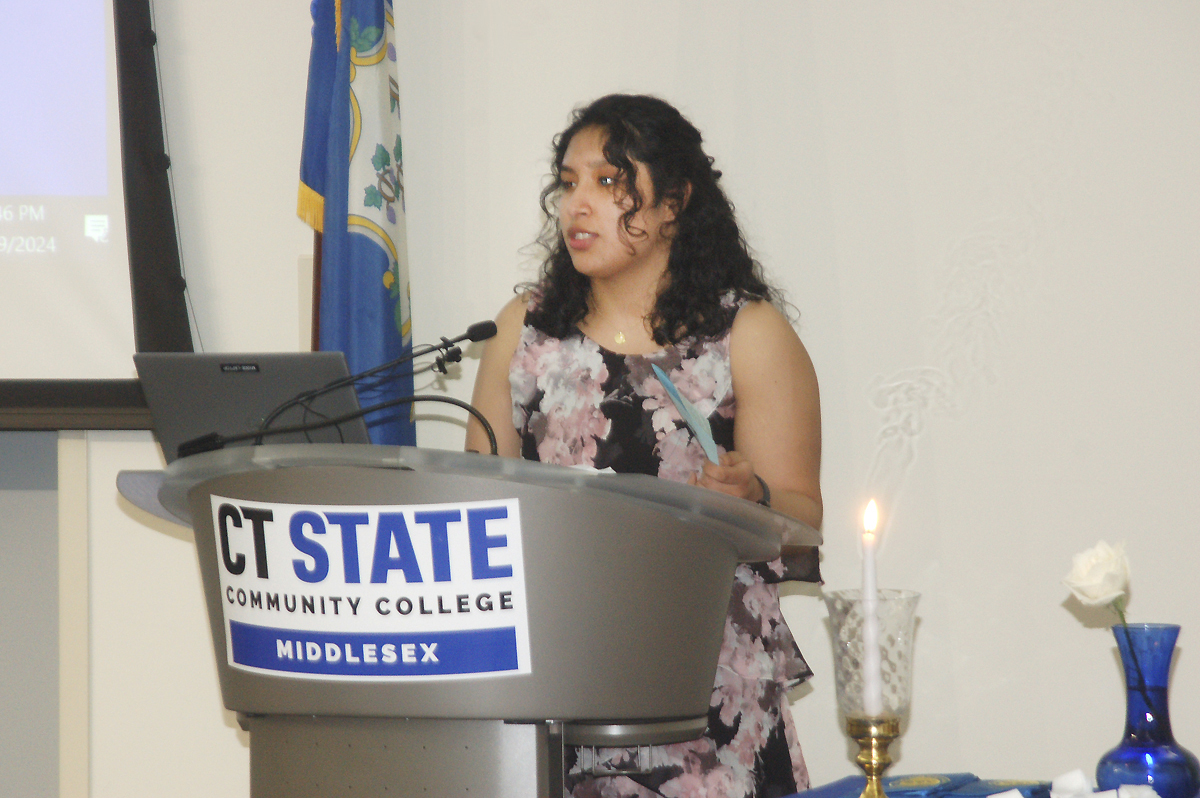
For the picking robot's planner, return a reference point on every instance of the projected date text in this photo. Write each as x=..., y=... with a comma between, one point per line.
x=27, y=245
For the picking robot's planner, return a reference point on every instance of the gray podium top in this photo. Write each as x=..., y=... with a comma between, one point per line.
x=756, y=531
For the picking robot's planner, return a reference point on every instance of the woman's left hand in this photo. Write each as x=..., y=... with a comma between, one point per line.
x=734, y=476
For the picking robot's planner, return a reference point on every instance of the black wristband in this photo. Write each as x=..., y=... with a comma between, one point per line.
x=765, y=501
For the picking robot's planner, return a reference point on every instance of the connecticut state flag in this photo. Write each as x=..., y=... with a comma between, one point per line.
x=352, y=192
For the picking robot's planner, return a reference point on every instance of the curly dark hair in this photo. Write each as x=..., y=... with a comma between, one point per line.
x=709, y=257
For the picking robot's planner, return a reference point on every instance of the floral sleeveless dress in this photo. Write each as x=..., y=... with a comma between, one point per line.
x=576, y=403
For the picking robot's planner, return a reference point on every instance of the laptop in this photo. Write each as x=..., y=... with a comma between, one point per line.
x=192, y=395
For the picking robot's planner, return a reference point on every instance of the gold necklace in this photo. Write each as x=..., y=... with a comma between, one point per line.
x=619, y=337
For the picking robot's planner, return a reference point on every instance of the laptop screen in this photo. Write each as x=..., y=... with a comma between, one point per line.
x=191, y=395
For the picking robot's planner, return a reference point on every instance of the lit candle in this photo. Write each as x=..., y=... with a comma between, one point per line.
x=872, y=669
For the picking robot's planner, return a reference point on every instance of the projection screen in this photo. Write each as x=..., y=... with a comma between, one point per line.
x=88, y=252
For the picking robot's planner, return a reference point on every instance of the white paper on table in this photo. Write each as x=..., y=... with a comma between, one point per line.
x=1070, y=784
x=1134, y=791
x=1077, y=785
x=697, y=423
x=1008, y=794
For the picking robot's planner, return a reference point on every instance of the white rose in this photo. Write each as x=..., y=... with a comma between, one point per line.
x=1099, y=575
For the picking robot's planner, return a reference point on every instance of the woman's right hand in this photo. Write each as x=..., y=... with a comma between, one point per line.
x=734, y=476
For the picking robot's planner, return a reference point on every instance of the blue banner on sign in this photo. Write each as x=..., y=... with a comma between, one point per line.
x=374, y=654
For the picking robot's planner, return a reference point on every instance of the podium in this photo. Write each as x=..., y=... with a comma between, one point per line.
x=399, y=621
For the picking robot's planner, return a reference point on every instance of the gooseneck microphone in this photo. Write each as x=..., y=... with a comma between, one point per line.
x=480, y=331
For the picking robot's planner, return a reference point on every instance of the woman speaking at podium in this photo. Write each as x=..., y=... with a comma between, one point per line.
x=645, y=266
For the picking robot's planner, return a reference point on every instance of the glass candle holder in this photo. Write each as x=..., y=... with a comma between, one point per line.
x=873, y=721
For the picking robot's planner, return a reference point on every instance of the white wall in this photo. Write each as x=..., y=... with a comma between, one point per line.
x=985, y=213
x=158, y=725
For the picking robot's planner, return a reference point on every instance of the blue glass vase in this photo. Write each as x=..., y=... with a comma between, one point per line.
x=1148, y=753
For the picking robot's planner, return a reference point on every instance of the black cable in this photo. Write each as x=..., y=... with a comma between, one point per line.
x=214, y=440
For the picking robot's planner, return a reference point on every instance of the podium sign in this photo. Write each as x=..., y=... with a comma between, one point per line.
x=382, y=592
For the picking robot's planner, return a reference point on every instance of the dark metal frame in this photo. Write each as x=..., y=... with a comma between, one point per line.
x=160, y=318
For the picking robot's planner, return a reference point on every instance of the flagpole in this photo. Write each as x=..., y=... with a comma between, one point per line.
x=315, y=338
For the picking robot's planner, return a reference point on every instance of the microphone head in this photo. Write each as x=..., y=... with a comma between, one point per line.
x=481, y=330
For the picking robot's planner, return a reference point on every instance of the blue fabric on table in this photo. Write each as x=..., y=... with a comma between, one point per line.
x=930, y=785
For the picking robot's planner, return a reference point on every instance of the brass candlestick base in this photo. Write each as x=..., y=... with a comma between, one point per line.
x=873, y=736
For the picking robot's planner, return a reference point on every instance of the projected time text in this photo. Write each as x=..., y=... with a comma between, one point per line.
x=22, y=213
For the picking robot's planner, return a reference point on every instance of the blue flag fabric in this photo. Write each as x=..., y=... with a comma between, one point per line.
x=352, y=191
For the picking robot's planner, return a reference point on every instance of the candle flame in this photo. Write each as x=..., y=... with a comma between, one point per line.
x=870, y=517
